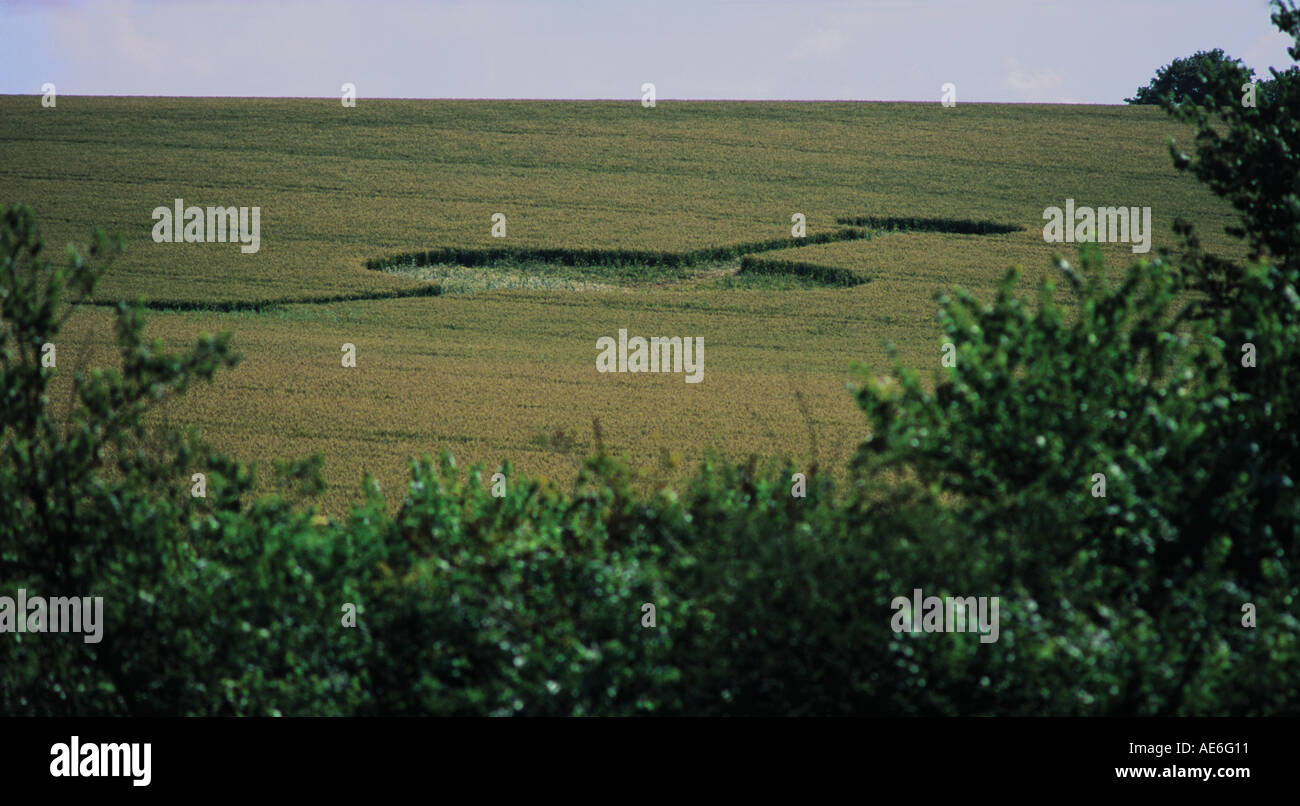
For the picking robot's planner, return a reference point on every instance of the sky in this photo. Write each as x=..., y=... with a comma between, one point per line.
x=1044, y=51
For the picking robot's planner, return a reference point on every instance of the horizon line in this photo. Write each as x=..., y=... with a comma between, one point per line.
x=635, y=100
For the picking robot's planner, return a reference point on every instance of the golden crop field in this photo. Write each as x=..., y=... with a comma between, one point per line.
x=502, y=365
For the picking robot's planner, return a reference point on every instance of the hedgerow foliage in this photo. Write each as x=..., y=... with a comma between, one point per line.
x=981, y=484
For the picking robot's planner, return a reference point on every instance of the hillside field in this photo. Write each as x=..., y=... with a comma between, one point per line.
x=501, y=365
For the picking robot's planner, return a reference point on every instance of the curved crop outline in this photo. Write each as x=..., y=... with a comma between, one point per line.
x=850, y=229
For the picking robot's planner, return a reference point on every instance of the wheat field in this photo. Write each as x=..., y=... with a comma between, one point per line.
x=500, y=365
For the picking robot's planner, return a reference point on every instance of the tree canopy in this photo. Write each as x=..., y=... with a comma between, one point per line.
x=1188, y=79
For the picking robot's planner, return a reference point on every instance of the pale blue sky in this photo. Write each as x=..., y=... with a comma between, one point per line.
x=1085, y=51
